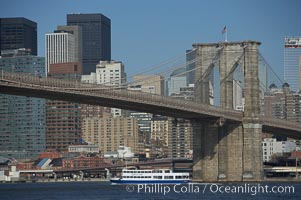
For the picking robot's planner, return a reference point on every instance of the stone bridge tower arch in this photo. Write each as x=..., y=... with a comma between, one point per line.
x=229, y=151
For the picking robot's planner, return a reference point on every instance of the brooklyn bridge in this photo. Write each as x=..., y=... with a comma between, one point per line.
x=221, y=134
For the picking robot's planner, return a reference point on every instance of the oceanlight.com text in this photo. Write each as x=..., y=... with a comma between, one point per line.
x=252, y=189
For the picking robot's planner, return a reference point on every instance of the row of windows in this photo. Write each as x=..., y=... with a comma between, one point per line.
x=137, y=171
x=170, y=177
x=137, y=177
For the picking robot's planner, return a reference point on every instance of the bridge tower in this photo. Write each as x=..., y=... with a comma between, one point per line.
x=228, y=151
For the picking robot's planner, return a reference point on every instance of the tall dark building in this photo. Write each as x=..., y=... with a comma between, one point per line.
x=96, y=32
x=18, y=33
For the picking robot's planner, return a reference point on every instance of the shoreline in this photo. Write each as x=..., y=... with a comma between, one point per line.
x=280, y=180
x=56, y=181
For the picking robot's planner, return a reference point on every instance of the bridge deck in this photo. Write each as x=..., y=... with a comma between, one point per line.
x=50, y=88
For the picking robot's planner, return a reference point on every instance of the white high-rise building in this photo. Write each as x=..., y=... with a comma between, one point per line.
x=110, y=73
x=292, y=52
x=59, y=48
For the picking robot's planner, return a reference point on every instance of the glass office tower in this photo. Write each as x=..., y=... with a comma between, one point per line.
x=22, y=119
x=96, y=37
x=18, y=33
x=190, y=66
x=292, y=53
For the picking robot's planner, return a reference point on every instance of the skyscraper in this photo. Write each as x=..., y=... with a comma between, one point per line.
x=96, y=29
x=180, y=139
x=78, y=40
x=292, y=52
x=18, y=33
x=59, y=48
x=63, y=118
x=22, y=119
x=190, y=66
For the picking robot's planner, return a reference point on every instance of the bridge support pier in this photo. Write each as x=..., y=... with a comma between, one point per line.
x=218, y=152
x=230, y=153
x=252, y=152
x=205, y=152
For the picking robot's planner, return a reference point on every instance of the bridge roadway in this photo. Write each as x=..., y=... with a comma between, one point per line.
x=75, y=91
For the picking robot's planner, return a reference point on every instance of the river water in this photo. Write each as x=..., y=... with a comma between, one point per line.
x=106, y=191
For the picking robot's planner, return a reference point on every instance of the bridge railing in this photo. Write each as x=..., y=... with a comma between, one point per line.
x=95, y=89
x=47, y=81
x=74, y=84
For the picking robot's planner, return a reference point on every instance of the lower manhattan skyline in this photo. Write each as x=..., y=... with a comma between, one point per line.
x=196, y=99
x=146, y=33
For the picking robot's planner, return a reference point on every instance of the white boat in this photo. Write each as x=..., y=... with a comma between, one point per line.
x=154, y=176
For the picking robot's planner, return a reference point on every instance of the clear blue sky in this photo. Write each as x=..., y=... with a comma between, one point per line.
x=145, y=33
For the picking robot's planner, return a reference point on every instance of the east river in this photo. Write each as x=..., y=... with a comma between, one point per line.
x=106, y=191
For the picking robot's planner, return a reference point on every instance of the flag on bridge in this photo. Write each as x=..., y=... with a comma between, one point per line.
x=224, y=30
